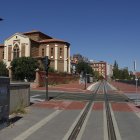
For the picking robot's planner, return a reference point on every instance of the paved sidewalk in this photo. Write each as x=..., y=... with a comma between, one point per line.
x=126, y=88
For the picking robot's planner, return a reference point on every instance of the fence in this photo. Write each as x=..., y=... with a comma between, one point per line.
x=53, y=78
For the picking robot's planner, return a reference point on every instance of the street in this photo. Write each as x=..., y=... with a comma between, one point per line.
x=56, y=119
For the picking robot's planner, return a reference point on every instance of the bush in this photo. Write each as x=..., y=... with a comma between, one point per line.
x=24, y=67
x=3, y=69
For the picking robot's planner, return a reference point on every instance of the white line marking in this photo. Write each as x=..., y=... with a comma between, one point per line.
x=37, y=126
x=73, y=125
x=138, y=114
x=117, y=132
x=84, y=124
x=36, y=99
x=105, y=124
x=92, y=87
x=111, y=86
x=35, y=96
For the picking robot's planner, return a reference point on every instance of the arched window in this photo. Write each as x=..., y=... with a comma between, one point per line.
x=51, y=51
x=60, y=52
x=16, y=51
x=43, y=52
x=3, y=55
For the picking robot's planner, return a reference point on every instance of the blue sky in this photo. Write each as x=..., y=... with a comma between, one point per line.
x=105, y=30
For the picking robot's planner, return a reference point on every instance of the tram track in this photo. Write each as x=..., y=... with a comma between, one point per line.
x=110, y=125
x=109, y=120
x=80, y=122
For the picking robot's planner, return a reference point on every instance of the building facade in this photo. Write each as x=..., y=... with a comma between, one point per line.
x=103, y=68
x=37, y=45
x=100, y=67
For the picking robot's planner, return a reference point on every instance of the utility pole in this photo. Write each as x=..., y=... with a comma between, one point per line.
x=85, y=71
x=136, y=79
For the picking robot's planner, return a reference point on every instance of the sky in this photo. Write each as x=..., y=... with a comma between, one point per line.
x=101, y=30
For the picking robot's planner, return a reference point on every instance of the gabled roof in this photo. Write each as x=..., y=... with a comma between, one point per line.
x=20, y=34
x=53, y=40
x=35, y=31
x=1, y=45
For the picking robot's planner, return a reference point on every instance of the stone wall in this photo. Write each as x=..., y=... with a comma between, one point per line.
x=19, y=96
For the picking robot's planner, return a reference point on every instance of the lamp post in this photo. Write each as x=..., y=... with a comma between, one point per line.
x=46, y=62
x=85, y=75
x=136, y=79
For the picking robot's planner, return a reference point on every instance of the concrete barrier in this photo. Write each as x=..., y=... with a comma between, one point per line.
x=19, y=96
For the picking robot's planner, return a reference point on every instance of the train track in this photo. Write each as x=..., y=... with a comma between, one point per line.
x=110, y=126
x=79, y=124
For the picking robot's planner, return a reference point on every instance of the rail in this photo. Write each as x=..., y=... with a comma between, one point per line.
x=79, y=124
x=110, y=126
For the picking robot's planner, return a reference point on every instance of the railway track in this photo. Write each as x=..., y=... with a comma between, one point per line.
x=110, y=126
x=79, y=124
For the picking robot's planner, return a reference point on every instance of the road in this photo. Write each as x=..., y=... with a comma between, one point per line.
x=57, y=119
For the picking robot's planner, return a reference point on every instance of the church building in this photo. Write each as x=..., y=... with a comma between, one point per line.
x=37, y=45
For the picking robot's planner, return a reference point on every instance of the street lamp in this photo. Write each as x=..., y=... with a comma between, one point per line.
x=46, y=62
x=136, y=79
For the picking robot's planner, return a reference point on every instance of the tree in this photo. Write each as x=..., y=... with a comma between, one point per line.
x=80, y=58
x=3, y=69
x=96, y=74
x=120, y=73
x=84, y=67
x=124, y=74
x=116, y=73
x=24, y=67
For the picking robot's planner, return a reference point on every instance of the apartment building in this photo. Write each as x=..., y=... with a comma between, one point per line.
x=103, y=68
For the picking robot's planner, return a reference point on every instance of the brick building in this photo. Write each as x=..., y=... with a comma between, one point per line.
x=103, y=68
x=37, y=45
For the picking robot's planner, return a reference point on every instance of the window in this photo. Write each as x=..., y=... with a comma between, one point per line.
x=51, y=51
x=60, y=52
x=16, y=51
x=43, y=52
x=3, y=55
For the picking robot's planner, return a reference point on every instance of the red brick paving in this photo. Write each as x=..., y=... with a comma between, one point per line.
x=76, y=106
x=66, y=105
x=125, y=87
x=121, y=107
x=134, y=107
x=98, y=106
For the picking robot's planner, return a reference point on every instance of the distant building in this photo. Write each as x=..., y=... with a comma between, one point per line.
x=109, y=71
x=137, y=74
x=37, y=45
x=103, y=68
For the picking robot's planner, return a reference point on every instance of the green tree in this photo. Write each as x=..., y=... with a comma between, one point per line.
x=84, y=67
x=124, y=74
x=3, y=69
x=96, y=74
x=24, y=67
x=116, y=72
